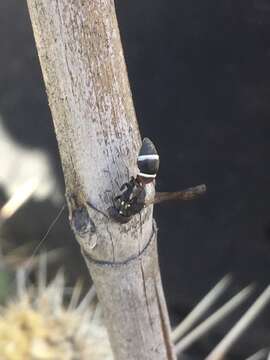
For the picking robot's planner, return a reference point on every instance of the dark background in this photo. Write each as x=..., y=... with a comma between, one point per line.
x=200, y=77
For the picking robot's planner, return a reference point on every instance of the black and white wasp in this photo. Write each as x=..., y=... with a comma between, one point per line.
x=131, y=200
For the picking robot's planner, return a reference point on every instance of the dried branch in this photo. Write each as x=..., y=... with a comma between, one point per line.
x=188, y=194
x=85, y=75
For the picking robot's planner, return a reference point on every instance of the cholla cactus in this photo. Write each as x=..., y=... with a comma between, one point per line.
x=38, y=326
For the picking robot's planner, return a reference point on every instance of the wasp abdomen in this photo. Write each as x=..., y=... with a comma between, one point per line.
x=148, y=160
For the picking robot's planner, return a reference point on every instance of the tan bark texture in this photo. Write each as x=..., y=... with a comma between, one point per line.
x=85, y=75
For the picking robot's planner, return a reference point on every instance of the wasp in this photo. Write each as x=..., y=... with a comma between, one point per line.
x=131, y=200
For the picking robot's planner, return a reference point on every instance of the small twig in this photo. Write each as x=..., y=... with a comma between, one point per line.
x=213, y=320
x=187, y=194
x=233, y=335
x=201, y=308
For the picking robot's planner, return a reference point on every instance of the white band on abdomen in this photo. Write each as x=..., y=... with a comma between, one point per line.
x=150, y=176
x=148, y=157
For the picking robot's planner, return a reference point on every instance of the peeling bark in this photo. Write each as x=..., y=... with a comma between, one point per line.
x=84, y=71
